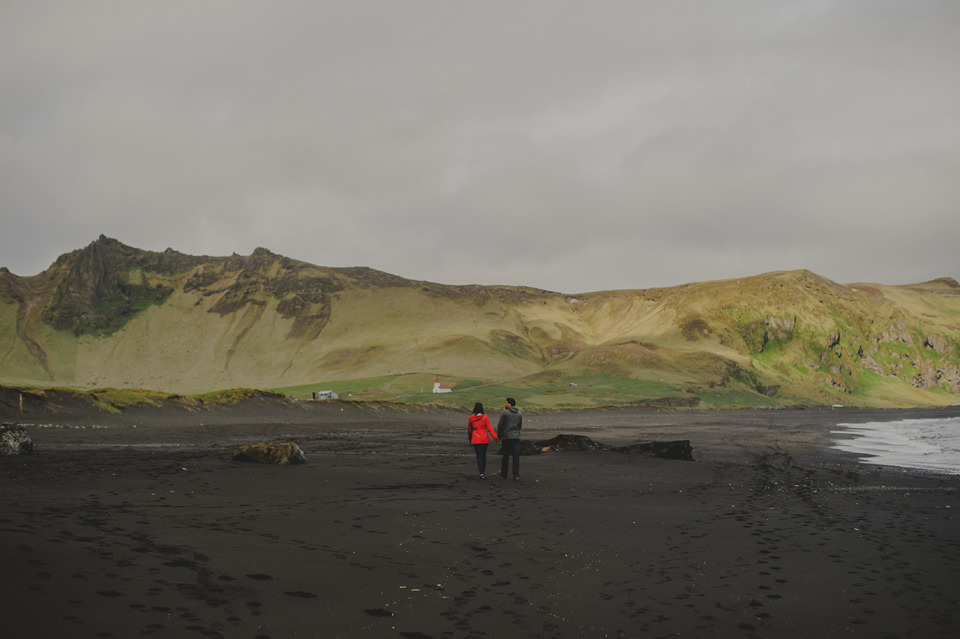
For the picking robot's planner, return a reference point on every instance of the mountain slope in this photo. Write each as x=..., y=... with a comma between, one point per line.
x=112, y=315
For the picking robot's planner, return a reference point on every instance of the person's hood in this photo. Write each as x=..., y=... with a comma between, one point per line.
x=512, y=409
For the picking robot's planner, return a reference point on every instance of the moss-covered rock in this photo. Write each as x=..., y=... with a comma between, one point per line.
x=270, y=453
x=105, y=284
x=14, y=440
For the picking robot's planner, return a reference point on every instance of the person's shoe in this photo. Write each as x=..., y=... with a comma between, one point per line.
x=516, y=477
x=482, y=476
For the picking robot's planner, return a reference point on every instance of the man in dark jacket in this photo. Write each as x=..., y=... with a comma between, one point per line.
x=508, y=432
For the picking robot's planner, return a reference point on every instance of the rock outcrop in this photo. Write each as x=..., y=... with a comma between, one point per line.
x=14, y=440
x=270, y=453
x=939, y=343
x=568, y=443
x=676, y=449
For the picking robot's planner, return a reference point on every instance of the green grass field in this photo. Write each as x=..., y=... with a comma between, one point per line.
x=568, y=393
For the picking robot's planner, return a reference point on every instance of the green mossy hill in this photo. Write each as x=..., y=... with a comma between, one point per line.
x=101, y=286
x=232, y=396
x=113, y=316
x=117, y=400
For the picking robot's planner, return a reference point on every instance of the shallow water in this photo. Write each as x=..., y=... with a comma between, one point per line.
x=926, y=444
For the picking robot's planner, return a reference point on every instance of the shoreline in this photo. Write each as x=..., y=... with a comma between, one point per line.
x=387, y=532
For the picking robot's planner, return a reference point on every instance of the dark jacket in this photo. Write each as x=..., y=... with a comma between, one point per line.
x=510, y=423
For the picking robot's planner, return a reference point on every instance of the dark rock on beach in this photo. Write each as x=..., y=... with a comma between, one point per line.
x=275, y=453
x=676, y=449
x=564, y=443
x=14, y=440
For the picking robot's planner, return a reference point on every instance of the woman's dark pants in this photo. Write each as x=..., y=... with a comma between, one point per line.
x=481, y=451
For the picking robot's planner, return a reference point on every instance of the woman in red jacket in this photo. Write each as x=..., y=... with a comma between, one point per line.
x=479, y=431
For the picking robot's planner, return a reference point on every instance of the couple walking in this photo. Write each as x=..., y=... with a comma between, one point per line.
x=479, y=431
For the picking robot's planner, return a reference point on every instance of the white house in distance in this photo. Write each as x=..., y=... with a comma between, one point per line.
x=440, y=388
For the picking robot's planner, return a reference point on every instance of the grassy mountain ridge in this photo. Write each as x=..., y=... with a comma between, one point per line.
x=112, y=315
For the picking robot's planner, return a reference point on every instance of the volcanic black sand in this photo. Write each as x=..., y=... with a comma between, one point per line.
x=142, y=524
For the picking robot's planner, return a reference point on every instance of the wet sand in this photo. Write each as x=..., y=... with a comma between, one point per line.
x=142, y=524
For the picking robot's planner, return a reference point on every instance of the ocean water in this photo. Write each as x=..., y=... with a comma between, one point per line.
x=927, y=444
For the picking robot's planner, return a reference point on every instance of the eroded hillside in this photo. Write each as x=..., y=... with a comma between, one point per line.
x=112, y=315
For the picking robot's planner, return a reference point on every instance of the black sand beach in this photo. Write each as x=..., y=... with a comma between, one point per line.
x=142, y=524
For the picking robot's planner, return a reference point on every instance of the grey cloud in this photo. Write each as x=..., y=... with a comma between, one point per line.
x=585, y=146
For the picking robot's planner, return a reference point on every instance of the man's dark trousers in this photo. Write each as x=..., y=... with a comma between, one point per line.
x=508, y=448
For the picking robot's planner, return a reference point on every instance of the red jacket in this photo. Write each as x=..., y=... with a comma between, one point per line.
x=479, y=429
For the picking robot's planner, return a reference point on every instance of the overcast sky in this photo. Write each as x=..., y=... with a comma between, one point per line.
x=572, y=146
